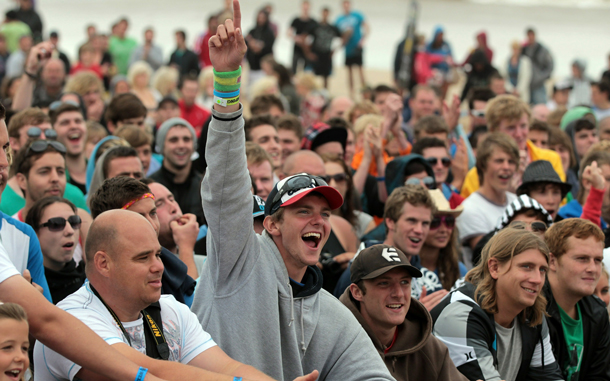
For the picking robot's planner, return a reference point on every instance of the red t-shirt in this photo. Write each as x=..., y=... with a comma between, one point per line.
x=194, y=114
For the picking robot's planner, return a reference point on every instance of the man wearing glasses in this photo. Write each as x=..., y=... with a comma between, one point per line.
x=578, y=320
x=24, y=127
x=260, y=296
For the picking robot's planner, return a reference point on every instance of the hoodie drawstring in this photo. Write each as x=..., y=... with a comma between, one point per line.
x=302, y=328
x=291, y=305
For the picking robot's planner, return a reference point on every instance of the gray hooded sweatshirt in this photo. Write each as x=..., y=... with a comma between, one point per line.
x=245, y=300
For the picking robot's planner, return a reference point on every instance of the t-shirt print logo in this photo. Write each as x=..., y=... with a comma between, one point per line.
x=468, y=356
x=390, y=255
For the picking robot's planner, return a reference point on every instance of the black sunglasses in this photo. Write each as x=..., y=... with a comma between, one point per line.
x=57, y=224
x=295, y=184
x=41, y=145
x=433, y=160
x=428, y=182
x=338, y=177
x=436, y=222
x=34, y=133
x=536, y=226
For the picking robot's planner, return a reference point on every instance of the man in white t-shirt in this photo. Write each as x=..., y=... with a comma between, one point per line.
x=497, y=162
x=119, y=301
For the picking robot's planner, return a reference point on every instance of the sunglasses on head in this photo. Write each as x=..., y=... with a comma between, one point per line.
x=41, y=145
x=57, y=224
x=428, y=182
x=449, y=222
x=295, y=184
x=34, y=133
x=338, y=177
x=55, y=105
x=444, y=160
x=536, y=226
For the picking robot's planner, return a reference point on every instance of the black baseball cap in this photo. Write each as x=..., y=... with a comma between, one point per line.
x=377, y=260
x=166, y=99
x=293, y=188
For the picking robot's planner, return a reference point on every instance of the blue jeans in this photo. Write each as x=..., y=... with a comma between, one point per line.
x=538, y=95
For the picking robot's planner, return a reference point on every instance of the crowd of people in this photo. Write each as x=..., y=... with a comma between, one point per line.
x=282, y=233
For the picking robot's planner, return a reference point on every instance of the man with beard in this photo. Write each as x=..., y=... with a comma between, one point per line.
x=176, y=140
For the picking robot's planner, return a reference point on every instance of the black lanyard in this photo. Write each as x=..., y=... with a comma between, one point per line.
x=154, y=333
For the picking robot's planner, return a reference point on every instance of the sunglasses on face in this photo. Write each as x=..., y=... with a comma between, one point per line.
x=57, y=224
x=536, y=226
x=436, y=222
x=428, y=182
x=444, y=160
x=34, y=133
x=478, y=113
x=338, y=177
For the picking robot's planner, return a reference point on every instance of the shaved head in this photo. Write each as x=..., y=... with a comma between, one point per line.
x=109, y=229
x=304, y=161
x=338, y=107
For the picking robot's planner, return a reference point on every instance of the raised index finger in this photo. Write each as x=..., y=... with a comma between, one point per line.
x=236, y=14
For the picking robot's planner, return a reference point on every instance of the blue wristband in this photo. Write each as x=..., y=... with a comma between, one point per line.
x=236, y=378
x=226, y=95
x=141, y=374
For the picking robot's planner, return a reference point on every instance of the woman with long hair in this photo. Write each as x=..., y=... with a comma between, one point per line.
x=440, y=265
x=57, y=225
x=339, y=176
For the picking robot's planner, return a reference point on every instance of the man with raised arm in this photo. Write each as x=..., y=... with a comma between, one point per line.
x=260, y=296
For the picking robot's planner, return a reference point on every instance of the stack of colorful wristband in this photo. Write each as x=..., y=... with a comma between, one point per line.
x=226, y=87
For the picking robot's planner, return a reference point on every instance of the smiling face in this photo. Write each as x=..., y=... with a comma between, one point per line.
x=47, y=177
x=386, y=300
x=517, y=129
x=14, y=345
x=301, y=233
x=578, y=270
x=440, y=237
x=520, y=280
x=500, y=170
x=71, y=132
x=262, y=175
x=409, y=232
x=23, y=140
x=267, y=137
x=57, y=247
x=178, y=147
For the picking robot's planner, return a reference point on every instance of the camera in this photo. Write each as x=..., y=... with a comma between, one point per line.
x=44, y=54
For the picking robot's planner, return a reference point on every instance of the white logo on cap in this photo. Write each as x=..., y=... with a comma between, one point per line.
x=390, y=254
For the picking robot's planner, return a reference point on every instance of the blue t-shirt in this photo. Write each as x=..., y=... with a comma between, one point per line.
x=352, y=22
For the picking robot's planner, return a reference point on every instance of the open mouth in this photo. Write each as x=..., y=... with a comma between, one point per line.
x=414, y=240
x=13, y=374
x=505, y=177
x=312, y=239
x=74, y=137
x=394, y=306
x=530, y=290
x=68, y=245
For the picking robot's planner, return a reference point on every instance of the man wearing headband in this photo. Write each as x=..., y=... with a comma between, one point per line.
x=131, y=194
x=260, y=296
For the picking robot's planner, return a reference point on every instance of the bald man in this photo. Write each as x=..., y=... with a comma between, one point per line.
x=122, y=303
x=338, y=108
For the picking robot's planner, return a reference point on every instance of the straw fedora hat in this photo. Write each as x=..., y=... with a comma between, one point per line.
x=442, y=205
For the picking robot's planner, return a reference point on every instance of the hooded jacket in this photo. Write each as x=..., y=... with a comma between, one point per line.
x=394, y=178
x=246, y=299
x=480, y=72
x=416, y=354
x=542, y=63
x=596, y=336
x=443, y=49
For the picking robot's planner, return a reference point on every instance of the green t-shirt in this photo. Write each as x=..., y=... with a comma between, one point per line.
x=121, y=52
x=11, y=202
x=573, y=334
x=12, y=32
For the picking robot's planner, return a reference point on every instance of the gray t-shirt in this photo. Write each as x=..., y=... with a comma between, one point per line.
x=509, y=350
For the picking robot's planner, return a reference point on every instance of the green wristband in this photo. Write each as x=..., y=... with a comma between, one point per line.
x=228, y=74
x=226, y=88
